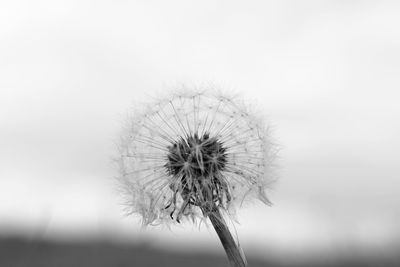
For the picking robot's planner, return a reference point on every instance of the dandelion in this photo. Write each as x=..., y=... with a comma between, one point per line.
x=195, y=155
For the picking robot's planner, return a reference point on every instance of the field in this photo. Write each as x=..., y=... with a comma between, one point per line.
x=16, y=252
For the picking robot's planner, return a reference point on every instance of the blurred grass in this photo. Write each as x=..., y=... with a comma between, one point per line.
x=18, y=252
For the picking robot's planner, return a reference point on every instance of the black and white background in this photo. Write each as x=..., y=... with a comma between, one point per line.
x=327, y=74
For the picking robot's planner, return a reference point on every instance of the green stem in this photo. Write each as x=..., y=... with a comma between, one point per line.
x=232, y=250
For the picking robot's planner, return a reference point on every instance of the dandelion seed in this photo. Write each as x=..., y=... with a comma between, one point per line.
x=195, y=155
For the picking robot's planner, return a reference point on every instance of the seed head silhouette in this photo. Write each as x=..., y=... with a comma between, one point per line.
x=194, y=155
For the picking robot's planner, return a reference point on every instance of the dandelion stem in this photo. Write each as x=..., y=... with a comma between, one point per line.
x=232, y=249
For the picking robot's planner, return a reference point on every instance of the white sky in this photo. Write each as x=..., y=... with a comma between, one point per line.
x=325, y=72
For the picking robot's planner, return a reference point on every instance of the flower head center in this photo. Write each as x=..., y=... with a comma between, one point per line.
x=202, y=156
x=195, y=164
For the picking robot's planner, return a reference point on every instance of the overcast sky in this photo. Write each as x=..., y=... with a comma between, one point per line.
x=326, y=73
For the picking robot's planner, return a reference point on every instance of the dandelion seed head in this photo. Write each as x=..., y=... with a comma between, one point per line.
x=187, y=153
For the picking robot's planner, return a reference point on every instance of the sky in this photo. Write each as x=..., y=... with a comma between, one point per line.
x=325, y=74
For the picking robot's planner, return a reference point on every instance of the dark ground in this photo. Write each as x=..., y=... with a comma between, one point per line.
x=16, y=252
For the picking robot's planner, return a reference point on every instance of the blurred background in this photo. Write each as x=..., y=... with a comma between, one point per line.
x=326, y=74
